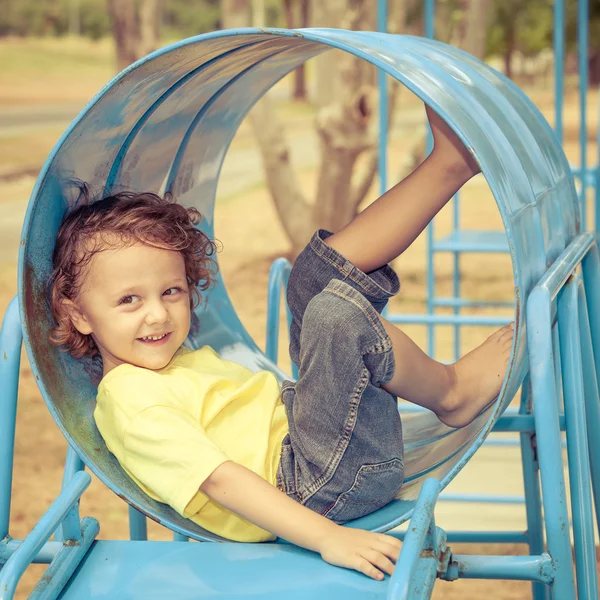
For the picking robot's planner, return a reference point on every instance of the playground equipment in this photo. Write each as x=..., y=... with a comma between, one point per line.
x=165, y=124
x=459, y=241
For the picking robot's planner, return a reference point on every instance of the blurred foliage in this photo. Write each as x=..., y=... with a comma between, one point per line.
x=521, y=25
x=180, y=18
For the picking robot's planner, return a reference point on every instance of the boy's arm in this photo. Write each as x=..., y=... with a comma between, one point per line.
x=242, y=491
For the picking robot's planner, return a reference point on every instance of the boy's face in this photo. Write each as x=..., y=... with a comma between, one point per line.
x=129, y=296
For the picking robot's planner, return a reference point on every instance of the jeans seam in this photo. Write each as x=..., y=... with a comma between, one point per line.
x=350, y=424
x=384, y=338
x=373, y=286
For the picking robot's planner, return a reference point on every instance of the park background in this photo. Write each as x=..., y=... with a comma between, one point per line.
x=56, y=54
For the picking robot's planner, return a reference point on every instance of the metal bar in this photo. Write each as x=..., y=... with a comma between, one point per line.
x=420, y=524
x=482, y=498
x=61, y=569
x=73, y=464
x=559, y=66
x=138, y=526
x=179, y=537
x=592, y=395
x=547, y=426
x=278, y=277
x=382, y=10
x=591, y=281
x=432, y=319
x=45, y=556
x=426, y=571
x=556, y=276
x=487, y=537
x=518, y=568
x=477, y=537
x=582, y=46
x=531, y=483
x=456, y=273
x=11, y=339
x=34, y=542
x=430, y=33
x=577, y=440
x=460, y=302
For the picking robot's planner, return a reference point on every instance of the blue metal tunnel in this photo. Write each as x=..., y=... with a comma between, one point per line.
x=165, y=124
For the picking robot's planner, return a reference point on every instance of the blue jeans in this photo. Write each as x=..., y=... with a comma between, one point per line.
x=343, y=456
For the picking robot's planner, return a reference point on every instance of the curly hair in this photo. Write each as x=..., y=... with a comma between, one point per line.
x=92, y=227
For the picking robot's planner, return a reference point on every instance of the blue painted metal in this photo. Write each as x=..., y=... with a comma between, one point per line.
x=11, y=340
x=421, y=534
x=383, y=104
x=558, y=36
x=125, y=570
x=524, y=568
x=545, y=397
x=577, y=438
x=138, y=527
x=582, y=58
x=531, y=484
x=591, y=370
x=66, y=559
x=45, y=555
x=430, y=33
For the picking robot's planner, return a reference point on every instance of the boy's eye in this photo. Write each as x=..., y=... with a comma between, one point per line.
x=127, y=299
x=172, y=291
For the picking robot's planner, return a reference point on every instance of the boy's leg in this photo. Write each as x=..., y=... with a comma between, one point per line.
x=456, y=393
x=395, y=220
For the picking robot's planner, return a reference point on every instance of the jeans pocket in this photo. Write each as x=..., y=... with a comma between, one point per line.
x=374, y=486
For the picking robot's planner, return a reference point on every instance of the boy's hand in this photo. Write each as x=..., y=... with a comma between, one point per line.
x=370, y=553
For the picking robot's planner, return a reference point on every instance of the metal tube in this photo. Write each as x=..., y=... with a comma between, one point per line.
x=421, y=522
x=582, y=46
x=559, y=66
x=577, y=440
x=430, y=33
x=531, y=483
x=591, y=281
x=278, y=276
x=138, y=527
x=482, y=498
x=11, y=338
x=34, y=542
x=383, y=103
x=547, y=426
x=592, y=405
x=45, y=555
x=431, y=319
x=520, y=568
x=456, y=301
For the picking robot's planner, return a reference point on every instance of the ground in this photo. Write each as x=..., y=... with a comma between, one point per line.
x=31, y=119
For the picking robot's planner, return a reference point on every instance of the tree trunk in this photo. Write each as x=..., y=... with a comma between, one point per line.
x=236, y=14
x=345, y=131
x=293, y=21
x=136, y=27
x=476, y=25
x=508, y=54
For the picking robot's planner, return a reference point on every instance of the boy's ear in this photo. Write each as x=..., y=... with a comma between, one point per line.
x=77, y=317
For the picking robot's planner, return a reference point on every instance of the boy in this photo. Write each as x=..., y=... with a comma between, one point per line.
x=226, y=447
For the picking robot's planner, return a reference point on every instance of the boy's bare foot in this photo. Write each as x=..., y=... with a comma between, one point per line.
x=476, y=379
x=450, y=151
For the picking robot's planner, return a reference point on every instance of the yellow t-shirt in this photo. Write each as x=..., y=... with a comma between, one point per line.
x=171, y=428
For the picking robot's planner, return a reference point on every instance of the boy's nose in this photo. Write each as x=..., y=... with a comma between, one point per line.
x=156, y=313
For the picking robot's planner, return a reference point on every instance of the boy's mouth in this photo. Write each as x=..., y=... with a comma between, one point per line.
x=155, y=340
